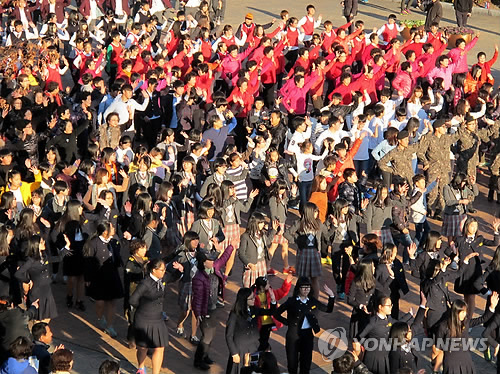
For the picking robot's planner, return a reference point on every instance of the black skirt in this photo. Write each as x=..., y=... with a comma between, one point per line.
x=73, y=263
x=150, y=334
x=106, y=283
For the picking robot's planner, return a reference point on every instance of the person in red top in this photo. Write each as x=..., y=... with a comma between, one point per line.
x=367, y=82
x=248, y=27
x=429, y=57
x=345, y=88
x=307, y=24
x=341, y=59
x=345, y=161
x=404, y=82
x=367, y=50
x=434, y=36
x=316, y=90
x=205, y=44
x=329, y=35
x=303, y=61
x=243, y=98
x=486, y=66
x=259, y=34
x=270, y=69
x=345, y=40
x=389, y=31
x=113, y=55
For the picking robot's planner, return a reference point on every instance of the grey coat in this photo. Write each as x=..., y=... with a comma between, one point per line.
x=200, y=229
x=377, y=218
x=248, y=247
x=451, y=203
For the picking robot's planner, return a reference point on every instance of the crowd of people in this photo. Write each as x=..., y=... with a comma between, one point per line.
x=138, y=152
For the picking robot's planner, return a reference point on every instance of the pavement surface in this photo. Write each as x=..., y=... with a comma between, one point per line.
x=78, y=331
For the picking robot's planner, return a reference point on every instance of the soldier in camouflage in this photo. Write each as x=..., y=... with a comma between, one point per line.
x=400, y=158
x=434, y=153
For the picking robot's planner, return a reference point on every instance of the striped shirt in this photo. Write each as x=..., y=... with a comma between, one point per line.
x=240, y=187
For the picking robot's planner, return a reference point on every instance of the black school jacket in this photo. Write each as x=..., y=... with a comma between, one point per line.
x=297, y=311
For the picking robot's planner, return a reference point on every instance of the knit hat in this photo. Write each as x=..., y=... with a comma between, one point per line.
x=438, y=123
x=403, y=134
x=249, y=16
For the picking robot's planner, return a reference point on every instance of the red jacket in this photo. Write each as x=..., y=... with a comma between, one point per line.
x=278, y=295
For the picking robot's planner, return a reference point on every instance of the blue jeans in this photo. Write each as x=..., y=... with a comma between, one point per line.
x=405, y=240
x=362, y=165
x=304, y=192
x=421, y=232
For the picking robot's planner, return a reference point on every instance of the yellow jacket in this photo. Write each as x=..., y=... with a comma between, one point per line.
x=26, y=188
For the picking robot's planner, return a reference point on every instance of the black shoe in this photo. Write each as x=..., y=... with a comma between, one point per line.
x=80, y=306
x=471, y=210
x=69, y=301
x=207, y=360
x=202, y=366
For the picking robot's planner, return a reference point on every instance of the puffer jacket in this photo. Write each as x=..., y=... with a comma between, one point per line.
x=201, y=284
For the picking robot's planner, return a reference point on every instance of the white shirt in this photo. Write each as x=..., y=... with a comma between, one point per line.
x=305, y=324
x=335, y=135
x=19, y=199
x=120, y=107
x=362, y=153
x=305, y=165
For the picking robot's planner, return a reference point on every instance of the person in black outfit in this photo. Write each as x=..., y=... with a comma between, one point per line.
x=135, y=272
x=391, y=278
x=13, y=323
x=377, y=360
x=150, y=327
x=34, y=273
x=466, y=244
x=242, y=332
x=401, y=355
x=302, y=321
x=101, y=262
x=459, y=360
x=360, y=296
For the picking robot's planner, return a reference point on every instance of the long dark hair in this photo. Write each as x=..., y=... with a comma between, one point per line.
x=385, y=257
x=101, y=228
x=4, y=244
x=70, y=214
x=364, y=277
x=33, y=247
x=308, y=222
x=377, y=200
x=278, y=185
x=338, y=205
x=494, y=264
x=26, y=227
x=253, y=224
x=467, y=223
x=240, y=305
x=454, y=324
x=398, y=333
x=431, y=242
x=225, y=187
x=457, y=180
x=143, y=203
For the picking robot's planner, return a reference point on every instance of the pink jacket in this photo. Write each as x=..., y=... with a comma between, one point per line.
x=403, y=83
x=459, y=57
x=295, y=98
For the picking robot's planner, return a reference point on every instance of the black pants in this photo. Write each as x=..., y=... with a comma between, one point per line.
x=462, y=18
x=264, y=334
x=207, y=328
x=340, y=267
x=291, y=57
x=151, y=130
x=299, y=347
x=268, y=94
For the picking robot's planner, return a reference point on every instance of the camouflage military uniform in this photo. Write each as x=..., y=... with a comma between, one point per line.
x=468, y=147
x=434, y=152
x=400, y=160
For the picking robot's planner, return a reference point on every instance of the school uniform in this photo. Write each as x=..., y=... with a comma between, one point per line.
x=402, y=357
x=356, y=297
x=458, y=360
x=309, y=248
x=392, y=285
x=302, y=321
x=377, y=361
x=207, y=229
x=473, y=270
x=254, y=250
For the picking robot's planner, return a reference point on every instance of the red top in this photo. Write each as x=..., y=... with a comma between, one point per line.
x=308, y=27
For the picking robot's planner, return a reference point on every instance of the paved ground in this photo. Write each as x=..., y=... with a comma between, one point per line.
x=91, y=346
